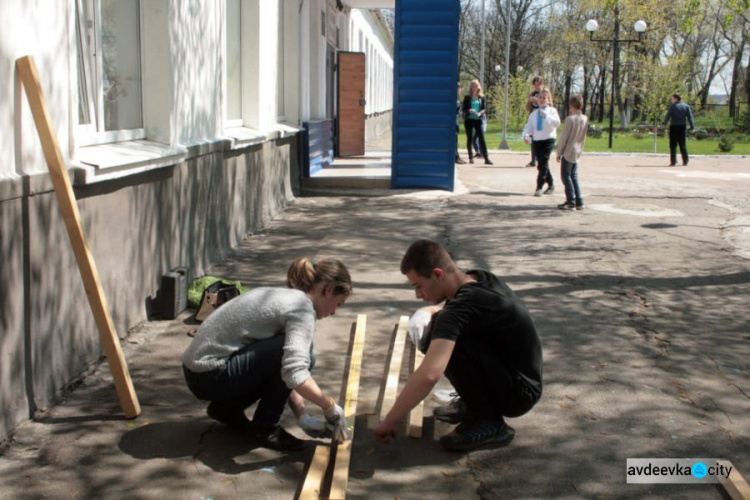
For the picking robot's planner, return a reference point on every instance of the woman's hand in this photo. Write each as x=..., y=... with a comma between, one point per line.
x=335, y=416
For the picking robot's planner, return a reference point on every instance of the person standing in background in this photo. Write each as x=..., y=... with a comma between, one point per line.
x=475, y=106
x=680, y=115
x=541, y=128
x=458, y=125
x=531, y=105
x=569, y=151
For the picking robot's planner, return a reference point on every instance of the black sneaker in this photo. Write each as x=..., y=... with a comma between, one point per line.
x=473, y=434
x=452, y=413
x=580, y=207
x=278, y=439
x=235, y=419
x=566, y=206
x=550, y=190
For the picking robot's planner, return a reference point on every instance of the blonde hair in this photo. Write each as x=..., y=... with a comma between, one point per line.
x=547, y=94
x=303, y=274
x=479, y=87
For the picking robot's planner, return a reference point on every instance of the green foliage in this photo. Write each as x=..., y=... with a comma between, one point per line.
x=726, y=143
x=745, y=123
x=195, y=291
x=519, y=87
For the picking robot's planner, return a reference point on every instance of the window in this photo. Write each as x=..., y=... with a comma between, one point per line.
x=109, y=71
x=234, y=63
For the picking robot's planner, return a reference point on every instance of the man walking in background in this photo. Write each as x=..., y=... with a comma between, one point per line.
x=680, y=115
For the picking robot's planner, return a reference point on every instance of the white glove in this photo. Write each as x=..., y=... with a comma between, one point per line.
x=417, y=324
x=335, y=417
x=313, y=426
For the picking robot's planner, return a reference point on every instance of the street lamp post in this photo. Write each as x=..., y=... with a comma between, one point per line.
x=591, y=26
x=504, y=142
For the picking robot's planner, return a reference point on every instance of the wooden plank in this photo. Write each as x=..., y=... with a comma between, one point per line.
x=394, y=370
x=110, y=343
x=735, y=484
x=416, y=415
x=313, y=484
x=343, y=453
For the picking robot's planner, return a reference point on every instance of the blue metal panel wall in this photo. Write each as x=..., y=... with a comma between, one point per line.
x=317, y=146
x=424, y=106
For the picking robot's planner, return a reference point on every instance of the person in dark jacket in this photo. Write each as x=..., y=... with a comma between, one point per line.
x=681, y=116
x=475, y=107
x=481, y=336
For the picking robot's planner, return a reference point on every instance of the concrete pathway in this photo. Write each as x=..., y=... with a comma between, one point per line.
x=640, y=300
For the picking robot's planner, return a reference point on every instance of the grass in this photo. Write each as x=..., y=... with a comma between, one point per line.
x=622, y=142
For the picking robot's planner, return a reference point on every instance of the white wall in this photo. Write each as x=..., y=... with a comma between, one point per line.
x=366, y=36
x=195, y=43
x=41, y=29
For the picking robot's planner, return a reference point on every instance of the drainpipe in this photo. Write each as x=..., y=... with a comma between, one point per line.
x=300, y=148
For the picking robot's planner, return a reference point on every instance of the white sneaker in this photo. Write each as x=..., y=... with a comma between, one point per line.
x=538, y=192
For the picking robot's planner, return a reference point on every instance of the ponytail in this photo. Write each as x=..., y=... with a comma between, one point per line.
x=303, y=275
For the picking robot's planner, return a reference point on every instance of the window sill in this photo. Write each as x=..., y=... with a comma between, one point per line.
x=242, y=137
x=106, y=162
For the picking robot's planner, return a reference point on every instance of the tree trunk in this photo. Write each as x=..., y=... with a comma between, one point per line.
x=736, y=75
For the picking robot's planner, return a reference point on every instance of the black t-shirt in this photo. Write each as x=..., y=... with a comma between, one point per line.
x=488, y=311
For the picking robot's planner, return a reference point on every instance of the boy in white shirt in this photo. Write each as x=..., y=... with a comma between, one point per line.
x=541, y=127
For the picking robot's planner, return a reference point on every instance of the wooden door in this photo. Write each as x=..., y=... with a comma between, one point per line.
x=351, y=108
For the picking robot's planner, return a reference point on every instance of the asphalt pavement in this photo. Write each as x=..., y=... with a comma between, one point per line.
x=640, y=301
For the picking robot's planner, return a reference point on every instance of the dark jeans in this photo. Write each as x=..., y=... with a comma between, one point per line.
x=677, y=135
x=533, y=155
x=569, y=174
x=543, y=150
x=475, y=127
x=488, y=388
x=251, y=374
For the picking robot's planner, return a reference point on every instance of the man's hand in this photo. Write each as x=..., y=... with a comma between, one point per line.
x=527, y=139
x=385, y=433
x=335, y=416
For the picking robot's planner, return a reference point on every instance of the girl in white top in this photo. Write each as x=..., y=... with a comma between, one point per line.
x=258, y=347
x=541, y=131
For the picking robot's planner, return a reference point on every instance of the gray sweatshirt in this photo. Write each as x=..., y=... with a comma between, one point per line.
x=258, y=314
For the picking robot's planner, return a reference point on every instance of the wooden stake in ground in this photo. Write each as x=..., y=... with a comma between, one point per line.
x=416, y=415
x=66, y=198
x=735, y=484
x=343, y=454
x=394, y=369
x=313, y=485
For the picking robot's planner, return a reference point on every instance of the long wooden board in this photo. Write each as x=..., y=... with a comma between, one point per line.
x=313, y=484
x=394, y=369
x=735, y=484
x=416, y=415
x=66, y=198
x=343, y=454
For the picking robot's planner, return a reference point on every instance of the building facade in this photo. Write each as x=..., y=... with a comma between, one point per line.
x=180, y=123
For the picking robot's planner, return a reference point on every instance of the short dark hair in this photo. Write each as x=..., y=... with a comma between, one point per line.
x=677, y=96
x=425, y=255
x=537, y=79
x=576, y=101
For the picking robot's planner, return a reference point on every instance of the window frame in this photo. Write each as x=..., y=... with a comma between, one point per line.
x=233, y=122
x=90, y=79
